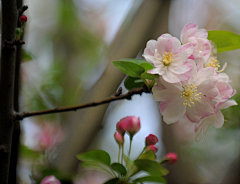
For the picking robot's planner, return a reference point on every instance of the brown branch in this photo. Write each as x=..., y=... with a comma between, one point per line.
x=15, y=42
x=117, y=96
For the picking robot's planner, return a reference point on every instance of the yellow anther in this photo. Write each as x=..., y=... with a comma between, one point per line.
x=189, y=94
x=167, y=58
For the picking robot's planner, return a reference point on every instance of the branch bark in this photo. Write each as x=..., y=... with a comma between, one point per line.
x=117, y=96
x=9, y=22
x=16, y=130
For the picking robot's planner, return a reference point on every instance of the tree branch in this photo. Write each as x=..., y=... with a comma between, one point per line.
x=117, y=96
x=22, y=10
x=9, y=22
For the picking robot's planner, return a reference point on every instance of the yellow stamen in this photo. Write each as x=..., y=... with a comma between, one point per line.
x=214, y=63
x=189, y=95
x=167, y=58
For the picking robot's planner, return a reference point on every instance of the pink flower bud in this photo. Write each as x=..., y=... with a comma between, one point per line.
x=171, y=158
x=121, y=126
x=151, y=139
x=23, y=19
x=133, y=125
x=118, y=137
x=152, y=148
x=50, y=180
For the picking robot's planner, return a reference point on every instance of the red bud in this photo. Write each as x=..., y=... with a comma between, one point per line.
x=171, y=158
x=151, y=139
x=23, y=19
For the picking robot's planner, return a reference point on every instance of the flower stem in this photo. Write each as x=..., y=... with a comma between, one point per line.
x=122, y=153
x=130, y=147
x=119, y=153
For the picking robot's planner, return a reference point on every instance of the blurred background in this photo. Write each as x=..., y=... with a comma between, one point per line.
x=70, y=45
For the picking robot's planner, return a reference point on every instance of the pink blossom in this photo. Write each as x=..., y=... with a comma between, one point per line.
x=131, y=124
x=50, y=180
x=151, y=139
x=152, y=148
x=118, y=137
x=171, y=158
x=198, y=39
x=225, y=90
x=215, y=119
x=186, y=97
x=169, y=57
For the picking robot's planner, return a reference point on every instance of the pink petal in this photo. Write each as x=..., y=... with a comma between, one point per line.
x=163, y=105
x=149, y=58
x=188, y=31
x=182, y=69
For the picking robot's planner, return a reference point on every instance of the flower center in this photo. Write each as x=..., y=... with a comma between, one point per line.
x=167, y=58
x=190, y=95
x=214, y=63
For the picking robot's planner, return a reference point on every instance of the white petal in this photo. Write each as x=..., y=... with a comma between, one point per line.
x=164, y=95
x=150, y=48
x=227, y=104
x=174, y=111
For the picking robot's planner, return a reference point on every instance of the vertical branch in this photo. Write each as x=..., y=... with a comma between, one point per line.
x=16, y=130
x=9, y=21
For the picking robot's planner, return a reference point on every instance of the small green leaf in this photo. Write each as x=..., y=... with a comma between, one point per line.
x=149, y=155
x=119, y=168
x=112, y=181
x=152, y=167
x=95, y=156
x=149, y=76
x=129, y=68
x=132, y=82
x=225, y=40
x=150, y=179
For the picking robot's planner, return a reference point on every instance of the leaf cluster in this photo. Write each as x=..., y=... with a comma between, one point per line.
x=127, y=173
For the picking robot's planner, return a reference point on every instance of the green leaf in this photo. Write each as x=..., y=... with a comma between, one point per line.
x=149, y=76
x=98, y=166
x=137, y=61
x=130, y=68
x=119, y=168
x=129, y=163
x=153, y=179
x=147, y=66
x=149, y=155
x=95, y=156
x=225, y=40
x=152, y=167
x=28, y=153
x=132, y=82
x=112, y=181
x=26, y=56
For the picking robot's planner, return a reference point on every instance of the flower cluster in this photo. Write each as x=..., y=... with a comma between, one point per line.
x=190, y=83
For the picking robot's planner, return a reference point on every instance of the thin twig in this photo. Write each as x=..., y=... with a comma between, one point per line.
x=117, y=96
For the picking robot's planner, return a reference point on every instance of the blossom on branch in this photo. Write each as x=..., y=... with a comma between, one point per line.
x=169, y=57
